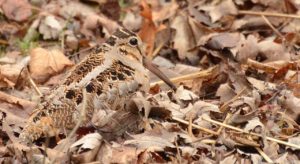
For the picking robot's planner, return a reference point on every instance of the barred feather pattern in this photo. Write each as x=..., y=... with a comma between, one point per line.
x=112, y=71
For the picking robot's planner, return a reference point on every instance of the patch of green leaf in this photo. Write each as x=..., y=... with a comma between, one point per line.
x=29, y=41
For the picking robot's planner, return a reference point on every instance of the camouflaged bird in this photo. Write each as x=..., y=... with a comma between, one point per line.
x=113, y=71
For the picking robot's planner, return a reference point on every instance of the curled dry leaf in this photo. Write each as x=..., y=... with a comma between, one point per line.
x=255, y=125
x=224, y=40
x=149, y=29
x=245, y=48
x=291, y=103
x=46, y=63
x=9, y=75
x=184, y=39
x=50, y=27
x=216, y=12
x=14, y=102
x=157, y=139
x=87, y=147
x=185, y=95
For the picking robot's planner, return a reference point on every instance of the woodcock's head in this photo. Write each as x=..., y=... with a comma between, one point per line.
x=128, y=44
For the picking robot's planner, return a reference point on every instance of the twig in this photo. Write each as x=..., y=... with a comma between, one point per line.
x=195, y=126
x=32, y=83
x=264, y=155
x=225, y=105
x=270, y=14
x=272, y=27
x=155, y=52
x=201, y=74
x=251, y=133
x=190, y=128
x=261, y=66
x=228, y=116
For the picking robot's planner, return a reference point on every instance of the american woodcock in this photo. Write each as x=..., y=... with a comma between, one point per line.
x=112, y=72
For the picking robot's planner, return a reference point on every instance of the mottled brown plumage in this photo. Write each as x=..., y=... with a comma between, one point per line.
x=112, y=71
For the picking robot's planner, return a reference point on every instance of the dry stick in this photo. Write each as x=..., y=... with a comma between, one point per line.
x=228, y=116
x=190, y=128
x=261, y=66
x=270, y=14
x=261, y=152
x=264, y=155
x=225, y=105
x=251, y=133
x=32, y=83
x=201, y=74
x=155, y=52
x=272, y=27
x=195, y=126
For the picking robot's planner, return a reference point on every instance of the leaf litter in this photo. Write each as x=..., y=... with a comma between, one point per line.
x=235, y=64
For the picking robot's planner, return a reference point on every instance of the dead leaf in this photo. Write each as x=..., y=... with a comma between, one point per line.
x=149, y=29
x=184, y=39
x=225, y=7
x=18, y=10
x=46, y=63
x=155, y=140
x=9, y=75
x=87, y=147
x=50, y=27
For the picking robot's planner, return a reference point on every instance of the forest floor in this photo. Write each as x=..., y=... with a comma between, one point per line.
x=234, y=62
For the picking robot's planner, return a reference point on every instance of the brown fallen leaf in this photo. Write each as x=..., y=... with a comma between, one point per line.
x=85, y=149
x=216, y=12
x=27, y=106
x=9, y=75
x=46, y=63
x=18, y=10
x=184, y=39
x=149, y=29
x=51, y=27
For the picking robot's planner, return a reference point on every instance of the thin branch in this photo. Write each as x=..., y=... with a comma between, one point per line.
x=261, y=66
x=272, y=27
x=224, y=107
x=32, y=83
x=195, y=126
x=251, y=133
x=269, y=14
x=264, y=155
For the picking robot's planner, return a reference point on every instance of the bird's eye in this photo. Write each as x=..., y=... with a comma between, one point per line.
x=133, y=41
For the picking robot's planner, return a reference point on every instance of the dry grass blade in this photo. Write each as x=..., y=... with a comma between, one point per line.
x=270, y=14
x=261, y=66
x=251, y=133
x=224, y=107
x=234, y=128
x=264, y=155
x=272, y=27
x=195, y=126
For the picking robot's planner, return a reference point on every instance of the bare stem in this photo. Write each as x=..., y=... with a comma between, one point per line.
x=270, y=14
